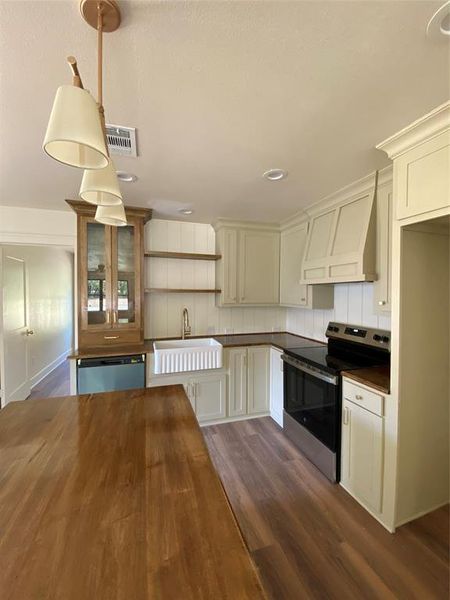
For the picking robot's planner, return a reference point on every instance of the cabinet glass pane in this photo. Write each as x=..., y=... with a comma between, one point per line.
x=96, y=285
x=125, y=274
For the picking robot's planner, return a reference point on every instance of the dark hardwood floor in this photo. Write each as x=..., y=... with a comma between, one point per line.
x=309, y=538
x=57, y=383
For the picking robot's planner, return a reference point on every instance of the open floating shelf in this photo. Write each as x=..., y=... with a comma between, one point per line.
x=182, y=255
x=180, y=291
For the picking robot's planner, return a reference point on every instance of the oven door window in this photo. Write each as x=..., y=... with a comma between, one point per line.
x=312, y=403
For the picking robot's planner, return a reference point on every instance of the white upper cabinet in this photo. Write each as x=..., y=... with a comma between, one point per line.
x=292, y=292
x=340, y=246
x=382, y=286
x=421, y=154
x=248, y=272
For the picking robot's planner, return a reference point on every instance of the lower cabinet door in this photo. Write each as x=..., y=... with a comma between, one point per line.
x=237, y=387
x=258, y=380
x=362, y=455
x=276, y=386
x=209, y=392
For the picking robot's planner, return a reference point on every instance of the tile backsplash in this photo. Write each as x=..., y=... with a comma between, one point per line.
x=353, y=302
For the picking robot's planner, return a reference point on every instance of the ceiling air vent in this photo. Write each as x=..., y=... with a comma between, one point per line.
x=121, y=140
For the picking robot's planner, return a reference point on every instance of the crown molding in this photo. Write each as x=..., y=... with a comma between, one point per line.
x=296, y=219
x=245, y=225
x=430, y=125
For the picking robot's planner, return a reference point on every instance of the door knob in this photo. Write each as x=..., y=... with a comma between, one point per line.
x=29, y=332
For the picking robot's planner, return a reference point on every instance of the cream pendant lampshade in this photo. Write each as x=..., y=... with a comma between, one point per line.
x=101, y=186
x=74, y=133
x=111, y=215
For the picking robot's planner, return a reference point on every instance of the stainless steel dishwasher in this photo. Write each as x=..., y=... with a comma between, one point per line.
x=110, y=374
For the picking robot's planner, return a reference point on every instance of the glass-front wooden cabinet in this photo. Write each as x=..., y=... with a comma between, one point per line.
x=110, y=278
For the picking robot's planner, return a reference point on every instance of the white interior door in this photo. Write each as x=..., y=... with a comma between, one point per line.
x=16, y=384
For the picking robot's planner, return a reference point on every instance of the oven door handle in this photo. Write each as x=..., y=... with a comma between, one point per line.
x=332, y=379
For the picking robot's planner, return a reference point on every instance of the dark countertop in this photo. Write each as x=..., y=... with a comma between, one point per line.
x=114, y=495
x=282, y=340
x=378, y=378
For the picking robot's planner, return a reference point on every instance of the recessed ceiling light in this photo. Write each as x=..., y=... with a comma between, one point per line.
x=275, y=174
x=186, y=211
x=439, y=25
x=126, y=177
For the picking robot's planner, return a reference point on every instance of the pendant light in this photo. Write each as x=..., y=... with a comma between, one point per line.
x=111, y=215
x=74, y=133
x=100, y=186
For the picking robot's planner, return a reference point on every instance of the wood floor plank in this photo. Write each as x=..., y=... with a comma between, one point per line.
x=54, y=385
x=309, y=537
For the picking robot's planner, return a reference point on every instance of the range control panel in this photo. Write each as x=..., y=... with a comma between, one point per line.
x=378, y=338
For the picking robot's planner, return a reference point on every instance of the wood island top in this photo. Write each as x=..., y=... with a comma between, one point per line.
x=113, y=496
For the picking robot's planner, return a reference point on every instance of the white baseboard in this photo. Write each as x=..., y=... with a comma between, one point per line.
x=233, y=419
x=49, y=368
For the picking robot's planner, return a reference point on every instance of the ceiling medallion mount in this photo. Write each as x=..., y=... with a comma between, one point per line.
x=110, y=14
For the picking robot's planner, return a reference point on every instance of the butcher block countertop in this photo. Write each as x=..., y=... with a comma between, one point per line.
x=113, y=496
x=378, y=378
x=281, y=340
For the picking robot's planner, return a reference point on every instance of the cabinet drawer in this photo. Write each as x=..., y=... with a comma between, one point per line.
x=363, y=397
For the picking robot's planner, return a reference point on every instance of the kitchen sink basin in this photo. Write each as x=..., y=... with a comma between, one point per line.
x=176, y=356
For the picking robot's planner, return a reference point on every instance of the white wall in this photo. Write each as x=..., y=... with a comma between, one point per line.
x=50, y=296
x=37, y=226
x=353, y=303
x=163, y=311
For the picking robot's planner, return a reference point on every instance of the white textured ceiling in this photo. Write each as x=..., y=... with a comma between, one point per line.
x=221, y=91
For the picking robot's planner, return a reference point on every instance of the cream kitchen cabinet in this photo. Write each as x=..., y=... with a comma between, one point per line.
x=206, y=392
x=421, y=155
x=384, y=207
x=248, y=271
x=258, y=380
x=237, y=382
x=292, y=292
x=423, y=178
x=276, y=386
x=362, y=445
x=340, y=246
x=258, y=267
x=249, y=381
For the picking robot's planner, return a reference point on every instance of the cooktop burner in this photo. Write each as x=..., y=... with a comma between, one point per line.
x=334, y=361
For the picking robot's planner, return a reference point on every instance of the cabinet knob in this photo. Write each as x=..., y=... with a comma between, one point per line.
x=303, y=299
x=358, y=397
x=29, y=332
x=382, y=302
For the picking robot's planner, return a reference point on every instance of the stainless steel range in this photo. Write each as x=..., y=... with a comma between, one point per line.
x=312, y=389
